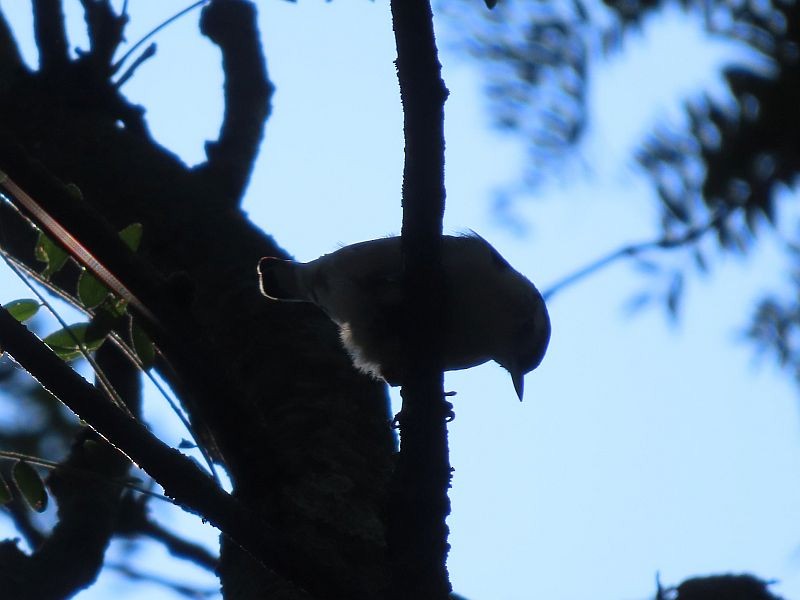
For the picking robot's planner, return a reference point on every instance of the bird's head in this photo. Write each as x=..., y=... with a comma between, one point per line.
x=529, y=338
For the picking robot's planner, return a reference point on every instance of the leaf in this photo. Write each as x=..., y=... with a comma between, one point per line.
x=66, y=342
x=47, y=251
x=23, y=309
x=5, y=492
x=143, y=346
x=91, y=292
x=646, y=266
x=132, y=236
x=187, y=445
x=30, y=485
x=700, y=261
x=674, y=295
x=490, y=4
x=637, y=303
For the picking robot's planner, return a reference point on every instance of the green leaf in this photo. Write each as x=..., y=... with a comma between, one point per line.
x=132, y=236
x=91, y=292
x=47, y=251
x=66, y=342
x=143, y=346
x=5, y=492
x=30, y=485
x=23, y=309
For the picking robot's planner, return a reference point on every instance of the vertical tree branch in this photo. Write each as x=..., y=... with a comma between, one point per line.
x=10, y=58
x=105, y=28
x=232, y=26
x=419, y=505
x=51, y=35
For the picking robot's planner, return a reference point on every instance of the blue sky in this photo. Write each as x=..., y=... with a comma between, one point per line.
x=642, y=446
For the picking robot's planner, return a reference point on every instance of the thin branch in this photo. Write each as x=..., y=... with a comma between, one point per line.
x=418, y=505
x=106, y=32
x=663, y=243
x=134, y=520
x=153, y=32
x=51, y=464
x=178, y=588
x=10, y=58
x=51, y=35
x=231, y=24
x=149, y=52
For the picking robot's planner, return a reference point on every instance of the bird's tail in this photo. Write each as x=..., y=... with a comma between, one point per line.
x=280, y=279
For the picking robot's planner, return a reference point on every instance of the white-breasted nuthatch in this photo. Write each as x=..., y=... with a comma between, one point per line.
x=492, y=312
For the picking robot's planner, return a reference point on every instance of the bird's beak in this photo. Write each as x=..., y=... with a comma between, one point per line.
x=519, y=383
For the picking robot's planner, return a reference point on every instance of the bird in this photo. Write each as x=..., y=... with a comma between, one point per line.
x=492, y=312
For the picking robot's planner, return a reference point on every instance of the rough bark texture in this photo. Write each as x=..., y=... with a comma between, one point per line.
x=418, y=503
x=304, y=438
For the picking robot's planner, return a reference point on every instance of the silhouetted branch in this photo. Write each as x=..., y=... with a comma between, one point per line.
x=418, y=503
x=105, y=29
x=149, y=52
x=179, y=588
x=663, y=243
x=153, y=32
x=134, y=520
x=231, y=24
x=22, y=515
x=10, y=58
x=51, y=35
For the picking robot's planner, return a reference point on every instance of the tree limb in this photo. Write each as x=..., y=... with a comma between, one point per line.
x=105, y=29
x=231, y=24
x=10, y=58
x=134, y=520
x=418, y=504
x=51, y=35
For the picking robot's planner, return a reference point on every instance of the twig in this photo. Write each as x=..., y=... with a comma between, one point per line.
x=663, y=243
x=154, y=31
x=50, y=464
x=149, y=52
x=133, y=520
x=178, y=588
